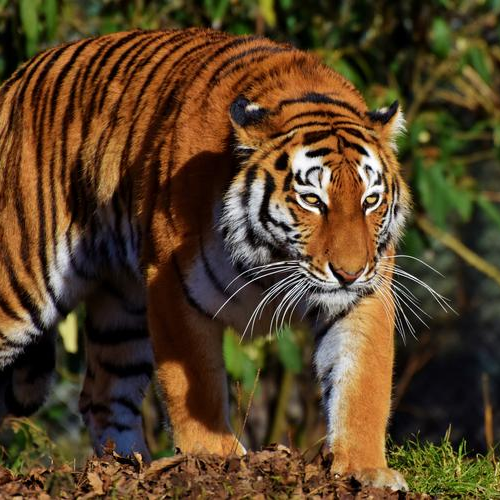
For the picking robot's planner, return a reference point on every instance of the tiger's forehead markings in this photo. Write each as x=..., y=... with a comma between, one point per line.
x=309, y=172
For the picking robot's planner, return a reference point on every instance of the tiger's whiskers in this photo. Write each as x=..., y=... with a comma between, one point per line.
x=260, y=272
x=402, y=297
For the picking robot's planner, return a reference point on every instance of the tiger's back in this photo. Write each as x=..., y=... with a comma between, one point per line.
x=118, y=156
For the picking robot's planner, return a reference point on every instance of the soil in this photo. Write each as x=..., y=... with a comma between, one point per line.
x=274, y=472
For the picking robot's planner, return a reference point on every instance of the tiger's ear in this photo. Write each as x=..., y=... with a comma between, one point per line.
x=250, y=122
x=388, y=122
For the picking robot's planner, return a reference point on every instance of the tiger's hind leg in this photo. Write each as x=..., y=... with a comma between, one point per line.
x=25, y=383
x=119, y=368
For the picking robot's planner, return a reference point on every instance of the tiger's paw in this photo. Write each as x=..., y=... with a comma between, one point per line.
x=230, y=445
x=223, y=445
x=380, y=478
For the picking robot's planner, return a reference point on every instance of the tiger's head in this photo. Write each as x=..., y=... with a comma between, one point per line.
x=319, y=185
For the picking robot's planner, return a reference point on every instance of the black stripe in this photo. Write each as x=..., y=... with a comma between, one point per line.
x=25, y=241
x=115, y=45
x=282, y=162
x=316, y=136
x=250, y=176
x=287, y=183
x=254, y=80
x=326, y=394
x=187, y=292
x=209, y=271
x=96, y=408
x=83, y=274
x=35, y=92
x=298, y=179
x=17, y=75
x=42, y=230
x=22, y=90
x=269, y=188
x=135, y=48
x=120, y=427
x=265, y=216
x=341, y=124
x=395, y=198
x=313, y=113
x=83, y=82
x=310, y=97
x=355, y=132
x=252, y=61
x=336, y=102
x=235, y=42
x=15, y=120
x=360, y=149
x=22, y=294
x=303, y=125
x=63, y=73
x=224, y=69
x=107, y=54
x=126, y=403
x=318, y=152
x=310, y=172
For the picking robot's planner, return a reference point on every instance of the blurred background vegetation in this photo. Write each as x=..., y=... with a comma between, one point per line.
x=441, y=59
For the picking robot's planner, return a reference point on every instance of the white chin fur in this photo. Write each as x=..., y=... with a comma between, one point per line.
x=333, y=303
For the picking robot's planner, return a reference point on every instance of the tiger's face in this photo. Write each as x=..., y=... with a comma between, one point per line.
x=327, y=198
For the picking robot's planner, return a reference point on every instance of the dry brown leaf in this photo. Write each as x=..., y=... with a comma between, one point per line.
x=310, y=471
x=96, y=483
x=284, y=449
x=163, y=464
x=139, y=459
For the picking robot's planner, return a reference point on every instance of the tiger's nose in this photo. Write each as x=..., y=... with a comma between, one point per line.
x=345, y=277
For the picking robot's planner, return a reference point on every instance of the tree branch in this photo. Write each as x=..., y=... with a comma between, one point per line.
x=449, y=241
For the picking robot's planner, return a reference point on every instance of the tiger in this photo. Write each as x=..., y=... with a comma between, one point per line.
x=156, y=176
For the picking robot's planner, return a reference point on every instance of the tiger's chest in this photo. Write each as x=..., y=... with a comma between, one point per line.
x=254, y=302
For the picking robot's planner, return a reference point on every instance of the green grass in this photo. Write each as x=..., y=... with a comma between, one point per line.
x=439, y=469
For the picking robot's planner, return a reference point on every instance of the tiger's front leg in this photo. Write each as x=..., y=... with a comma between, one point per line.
x=188, y=349
x=354, y=362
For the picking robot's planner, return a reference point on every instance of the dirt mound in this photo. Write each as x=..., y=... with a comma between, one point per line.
x=275, y=472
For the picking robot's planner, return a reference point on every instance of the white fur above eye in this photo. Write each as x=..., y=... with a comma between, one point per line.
x=370, y=171
x=314, y=178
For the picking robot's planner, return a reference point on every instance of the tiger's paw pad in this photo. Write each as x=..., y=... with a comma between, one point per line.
x=381, y=478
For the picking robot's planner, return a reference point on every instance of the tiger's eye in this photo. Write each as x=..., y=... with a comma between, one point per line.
x=311, y=199
x=371, y=200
